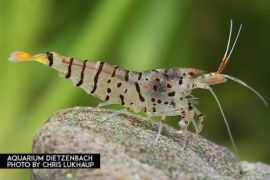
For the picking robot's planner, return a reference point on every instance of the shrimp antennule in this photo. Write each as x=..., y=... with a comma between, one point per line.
x=226, y=58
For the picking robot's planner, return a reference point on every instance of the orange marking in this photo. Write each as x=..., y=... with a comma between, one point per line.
x=216, y=80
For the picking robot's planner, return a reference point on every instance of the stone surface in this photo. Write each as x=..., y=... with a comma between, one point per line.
x=123, y=142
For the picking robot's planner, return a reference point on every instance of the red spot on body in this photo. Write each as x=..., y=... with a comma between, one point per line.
x=191, y=73
x=155, y=87
x=171, y=93
x=109, y=90
x=119, y=85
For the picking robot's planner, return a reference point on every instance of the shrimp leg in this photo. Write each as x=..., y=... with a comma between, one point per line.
x=107, y=103
x=184, y=123
x=162, y=119
x=105, y=118
x=201, y=119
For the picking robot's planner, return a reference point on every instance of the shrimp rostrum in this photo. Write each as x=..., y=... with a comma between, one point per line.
x=159, y=92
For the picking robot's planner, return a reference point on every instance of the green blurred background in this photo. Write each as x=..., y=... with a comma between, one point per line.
x=136, y=35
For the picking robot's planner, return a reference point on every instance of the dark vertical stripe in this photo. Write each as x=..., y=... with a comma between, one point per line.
x=96, y=77
x=69, y=68
x=139, y=76
x=126, y=75
x=50, y=58
x=114, y=71
x=139, y=92
x=122, y=99
x=82, y=73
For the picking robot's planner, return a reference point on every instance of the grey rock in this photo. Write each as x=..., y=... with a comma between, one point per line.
x=124, y=144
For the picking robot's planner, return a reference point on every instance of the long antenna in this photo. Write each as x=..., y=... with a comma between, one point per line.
x=247, y=86
x=226, y=122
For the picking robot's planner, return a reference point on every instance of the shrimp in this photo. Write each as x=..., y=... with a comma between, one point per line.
x=159, y=92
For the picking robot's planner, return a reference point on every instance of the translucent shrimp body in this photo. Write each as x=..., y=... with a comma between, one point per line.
x=159, y=92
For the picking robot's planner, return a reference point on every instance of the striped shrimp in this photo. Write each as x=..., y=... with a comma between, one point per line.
x=159, y=92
